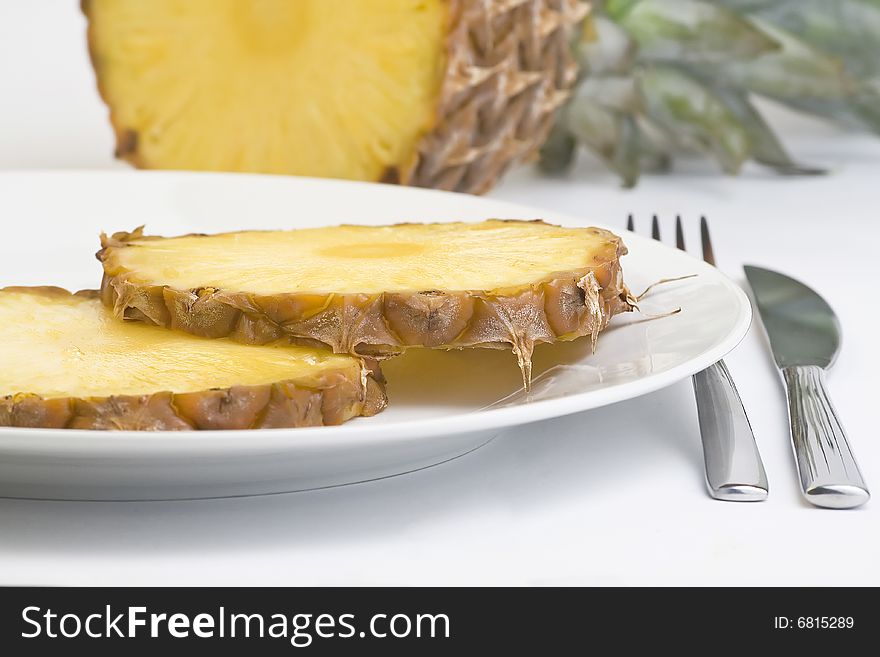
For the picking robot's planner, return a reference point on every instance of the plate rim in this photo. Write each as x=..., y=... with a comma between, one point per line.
x=254, y=441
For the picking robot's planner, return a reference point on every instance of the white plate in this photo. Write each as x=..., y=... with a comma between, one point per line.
x=443, y=404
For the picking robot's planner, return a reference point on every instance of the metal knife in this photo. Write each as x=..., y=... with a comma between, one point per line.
x=805, y=338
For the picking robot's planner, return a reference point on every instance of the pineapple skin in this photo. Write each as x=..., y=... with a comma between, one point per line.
x=509, y=68
x=334, y=399
x=563, y=306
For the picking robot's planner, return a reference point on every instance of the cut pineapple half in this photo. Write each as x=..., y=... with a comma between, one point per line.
x=438, y=93
x=375, y=290
x=66, y=362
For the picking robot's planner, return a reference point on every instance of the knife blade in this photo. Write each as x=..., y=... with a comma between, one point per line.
x=804, y=335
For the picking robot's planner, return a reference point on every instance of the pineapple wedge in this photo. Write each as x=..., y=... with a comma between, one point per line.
x=65, y=362
x=375, y=290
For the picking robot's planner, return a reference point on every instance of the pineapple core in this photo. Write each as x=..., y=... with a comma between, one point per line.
x=59, y=345
x=331, y=88
x=490, y=255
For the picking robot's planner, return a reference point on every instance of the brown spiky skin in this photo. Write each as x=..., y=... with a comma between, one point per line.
x=562, y=306
x=332, y=399
x=509, y=68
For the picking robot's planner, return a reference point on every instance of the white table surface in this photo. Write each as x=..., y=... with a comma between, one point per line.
x=612, y=496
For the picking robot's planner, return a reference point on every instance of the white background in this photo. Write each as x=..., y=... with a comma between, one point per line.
x=613, y=496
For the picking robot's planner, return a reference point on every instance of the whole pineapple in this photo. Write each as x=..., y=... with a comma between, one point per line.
x=658, y=77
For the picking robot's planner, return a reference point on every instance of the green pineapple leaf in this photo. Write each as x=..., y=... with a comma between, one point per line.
x=765, y=146
x=605, y=49
x=849, y=29
x=612, y=135
x=558, y=151
x=861, y=112
x=690, y=31
x=796, y=71
x=692, y=116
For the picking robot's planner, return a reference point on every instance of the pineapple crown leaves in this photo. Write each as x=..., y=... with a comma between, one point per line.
x=661, y=77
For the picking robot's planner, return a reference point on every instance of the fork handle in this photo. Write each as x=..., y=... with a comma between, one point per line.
x=828, y=471
x=734, y=470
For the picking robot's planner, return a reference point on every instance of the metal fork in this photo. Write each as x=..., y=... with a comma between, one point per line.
x=734, y=470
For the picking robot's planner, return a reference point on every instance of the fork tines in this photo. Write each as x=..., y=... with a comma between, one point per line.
x=708, y=252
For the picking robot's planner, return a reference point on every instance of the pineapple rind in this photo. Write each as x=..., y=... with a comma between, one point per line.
x=330, y=397
x=509, y=69
x=561, y=306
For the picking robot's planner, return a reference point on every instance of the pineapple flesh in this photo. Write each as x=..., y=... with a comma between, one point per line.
x=375, y=290
x=438, y=93
x=66, y=362
x=241, y=86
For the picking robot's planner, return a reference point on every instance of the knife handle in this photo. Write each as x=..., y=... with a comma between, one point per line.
x=829, y=474
x=734, y=471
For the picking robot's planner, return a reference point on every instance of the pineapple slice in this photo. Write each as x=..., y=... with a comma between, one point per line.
x=439, y=93
x=65, y=362
x=375, y=290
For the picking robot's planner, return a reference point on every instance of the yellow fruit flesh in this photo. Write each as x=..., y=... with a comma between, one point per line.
x=491, y=255
x=335, y=88
x=66, y=346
